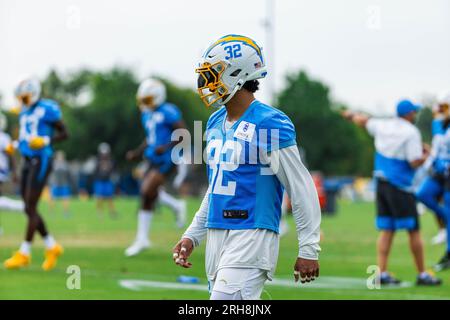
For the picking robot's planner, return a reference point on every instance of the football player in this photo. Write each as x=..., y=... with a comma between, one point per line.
x=40, y=126
x=441, y=174
x=399, y=152
x=103, y=184
x=159, y=119
x=431, y=189
x=251, y=156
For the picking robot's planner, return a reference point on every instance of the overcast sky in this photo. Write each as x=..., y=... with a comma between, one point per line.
x=370, y=52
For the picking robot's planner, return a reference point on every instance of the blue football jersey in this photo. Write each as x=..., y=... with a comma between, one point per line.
x=35, y=121
x=244, y=192
x=158, y=126
x=442, y=158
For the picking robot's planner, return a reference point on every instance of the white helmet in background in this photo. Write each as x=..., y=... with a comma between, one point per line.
x=3, y=122
x=104, y=148
x=28, y=91
x=442, y=105
x=226, y=65
x=151, y=93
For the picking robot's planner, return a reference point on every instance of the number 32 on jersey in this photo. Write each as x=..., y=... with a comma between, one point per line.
x=223, y=157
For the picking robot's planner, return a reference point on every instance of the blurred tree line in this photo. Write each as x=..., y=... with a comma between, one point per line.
x=101, y=107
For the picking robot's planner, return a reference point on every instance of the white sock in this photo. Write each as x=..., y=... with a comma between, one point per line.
x=49, y=242
x=169, y=200
x=25, y=248
x=144, y=220
x=11, y=204
x=423, y=275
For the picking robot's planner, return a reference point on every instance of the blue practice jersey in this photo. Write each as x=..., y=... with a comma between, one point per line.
x=244, y=192
x=38, y=120
x=158, y=126
x=441, y=163
x=437, y=127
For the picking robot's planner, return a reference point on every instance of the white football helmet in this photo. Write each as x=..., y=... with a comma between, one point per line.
x=28, y=91
x=104, y=148
x=226, y=65
x=442, y=105
x=3, y=122
x=151, y=93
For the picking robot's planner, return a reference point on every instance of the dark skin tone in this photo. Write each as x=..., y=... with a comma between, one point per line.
x=154, y=179
x=305, y=270
x=31, y=194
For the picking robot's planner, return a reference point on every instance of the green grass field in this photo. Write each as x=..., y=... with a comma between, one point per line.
x=96, y=245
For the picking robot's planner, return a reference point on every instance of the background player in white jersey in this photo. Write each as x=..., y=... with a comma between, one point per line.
x=240, y=213
x=159, y=119
x=399, y=152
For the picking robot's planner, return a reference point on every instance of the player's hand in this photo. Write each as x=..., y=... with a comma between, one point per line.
x=347, y=114
x=38, y=142
x=306, y=270
x=9, y=149
x=182, y=251
x=160, y=150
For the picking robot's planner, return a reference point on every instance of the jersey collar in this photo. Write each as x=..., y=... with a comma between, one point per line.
x=250, y=107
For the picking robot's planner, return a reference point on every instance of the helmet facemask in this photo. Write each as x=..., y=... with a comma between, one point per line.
x=146, y=103
x=210, y=86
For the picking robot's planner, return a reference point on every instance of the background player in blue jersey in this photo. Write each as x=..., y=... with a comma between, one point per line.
x=159, y=119
x=40, y=125
x=440, y=160
x=251, y=157
x=104, y=188
x=399, y=151
x=431, y=190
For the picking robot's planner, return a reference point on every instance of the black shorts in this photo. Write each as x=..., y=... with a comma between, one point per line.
x=396, y=209
x=35, y=171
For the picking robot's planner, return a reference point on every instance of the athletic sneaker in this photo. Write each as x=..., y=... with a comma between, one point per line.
x=137, y=247
x=18, y=260
x=51, y=257
x=428, y=280
x=181, y=214
x=386, y=279
x=444, y=263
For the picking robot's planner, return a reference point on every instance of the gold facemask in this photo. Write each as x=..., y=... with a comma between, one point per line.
x=146, y=102
x=25, y=99
x=209, y=84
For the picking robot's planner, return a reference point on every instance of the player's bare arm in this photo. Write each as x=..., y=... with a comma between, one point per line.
x=61, y=133
x=136, y=153
x=177, y=125
x=357, y=118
